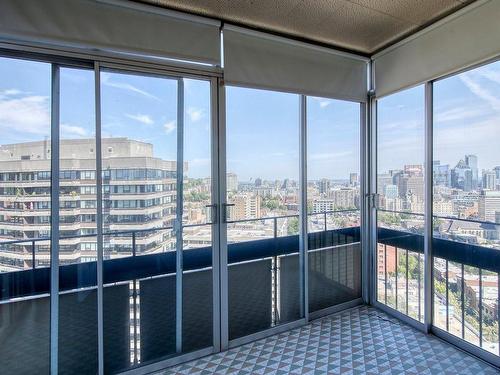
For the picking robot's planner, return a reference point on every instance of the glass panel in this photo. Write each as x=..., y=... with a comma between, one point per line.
x=333, y=200
x=78, y=243
x=466, y=202
x=139, y=156
x=400, y=188
x=262, y=182
x=197, y=319
x=25, y=95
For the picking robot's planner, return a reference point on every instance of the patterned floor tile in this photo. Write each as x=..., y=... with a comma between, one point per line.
x=362, y=340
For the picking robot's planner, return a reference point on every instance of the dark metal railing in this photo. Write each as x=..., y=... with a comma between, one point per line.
x=464, y=256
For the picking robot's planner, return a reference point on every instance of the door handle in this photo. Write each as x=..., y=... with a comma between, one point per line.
x=224, y=211
x=213, y=212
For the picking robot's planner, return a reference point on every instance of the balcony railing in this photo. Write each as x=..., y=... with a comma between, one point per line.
x=466, y=281
x=139, y=295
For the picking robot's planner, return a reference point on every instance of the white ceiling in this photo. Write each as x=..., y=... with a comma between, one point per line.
x=363, y=26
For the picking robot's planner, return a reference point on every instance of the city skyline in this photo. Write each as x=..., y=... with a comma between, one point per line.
x=466, y=114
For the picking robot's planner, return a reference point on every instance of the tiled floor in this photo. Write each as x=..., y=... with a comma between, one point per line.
x=358, y=341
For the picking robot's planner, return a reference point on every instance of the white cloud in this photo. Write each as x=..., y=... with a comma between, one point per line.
x=169, y=127
x=106, y=80
x=72, y=130
x=323, y=103
x=144, y=119
x=469, y=79
x=10, y=92
x=459, y=113
x=28, y=114
x=195, y=114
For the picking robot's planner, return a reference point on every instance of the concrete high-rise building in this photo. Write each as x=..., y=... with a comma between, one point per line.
x=324, y=186
x=353, y=179
x=138, y=193
x=343, y=198
x=489, y=180
x=489, y=204
x=232, y=182
x=246, y=206
x=382, y=181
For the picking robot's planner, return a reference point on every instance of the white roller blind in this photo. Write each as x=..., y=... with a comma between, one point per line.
x=111, y=26
x=462, y=40
x=261, y=61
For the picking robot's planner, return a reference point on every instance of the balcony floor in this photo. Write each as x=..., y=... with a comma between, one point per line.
x=357, y=341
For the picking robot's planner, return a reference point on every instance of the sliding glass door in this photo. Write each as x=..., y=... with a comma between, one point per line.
x=157, y=217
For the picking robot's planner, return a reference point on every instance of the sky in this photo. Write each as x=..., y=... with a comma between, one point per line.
x=262, y=126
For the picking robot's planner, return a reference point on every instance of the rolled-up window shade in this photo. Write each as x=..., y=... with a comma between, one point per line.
x=469, y=37
x=258, y=60
x=111, y=26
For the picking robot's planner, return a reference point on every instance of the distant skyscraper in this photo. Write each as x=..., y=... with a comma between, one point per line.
x=471, y=161
x=442, y=174
x=353, y=179
x=232, y=182
x=461, y=176
x=489, y=180
x=324, y=186
x=258, y=182
x=391, y=191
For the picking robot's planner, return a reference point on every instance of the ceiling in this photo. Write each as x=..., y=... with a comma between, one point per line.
x=363, y=26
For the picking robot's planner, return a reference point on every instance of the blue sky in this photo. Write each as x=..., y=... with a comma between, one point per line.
x=262, y=126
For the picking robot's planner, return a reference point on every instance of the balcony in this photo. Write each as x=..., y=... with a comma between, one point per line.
x=231, y=187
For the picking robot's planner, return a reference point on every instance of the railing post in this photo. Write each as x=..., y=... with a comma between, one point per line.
x=33, y=255
x=275, y=229
x=326, y=226
x=447, y=300
x=462, y=297
x=385, y=271
x=419, y=285
x=134, y=252
x=134, y=297
x=396, y=273
x=407, y=281
x=480, y=308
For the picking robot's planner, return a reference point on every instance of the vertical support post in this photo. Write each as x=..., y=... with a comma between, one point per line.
x=134, y=250
x=370, y=186
x=179, y=211
x=498, y=311
x=397, y=274
x=324, y=218
x=54, y=221
x=428, y=308
x=275, y=228
x=407, y=274
x=134, y=303
x=447, y=299
x=462, y=298
x=385, y=273
x=33, y=265
x=99, y=221
x=480, y=308
x=419, y=283
x=303, y=235
x=224, y=271
x=366, y=256
x=216, y=225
